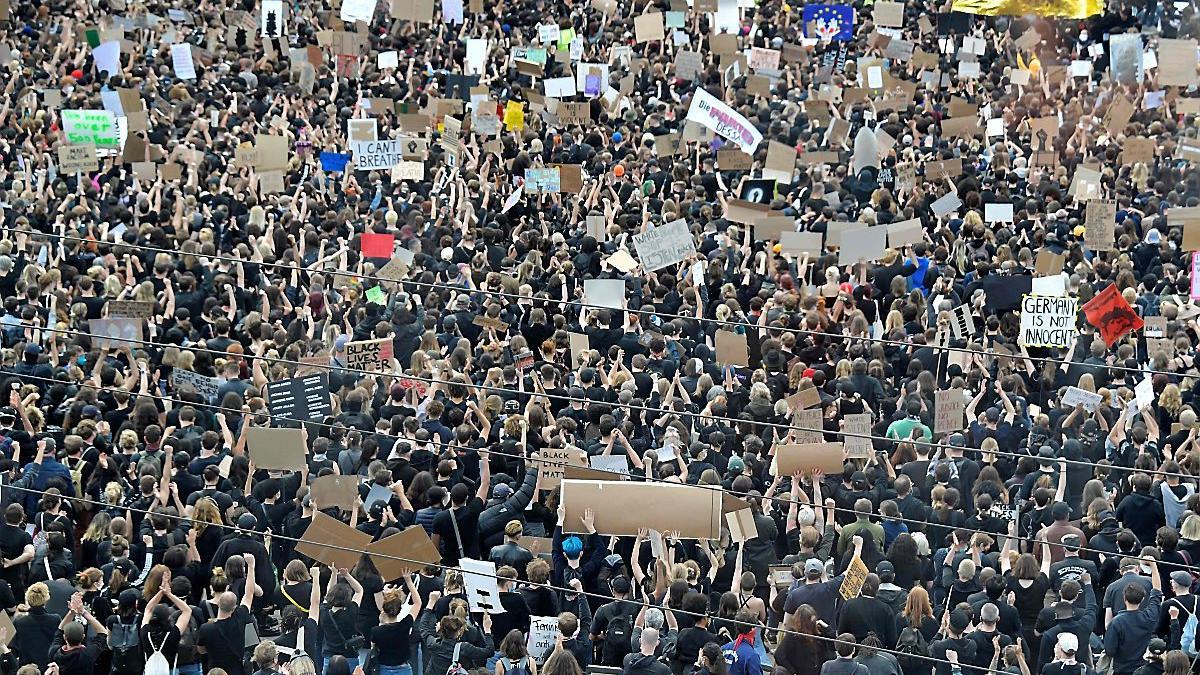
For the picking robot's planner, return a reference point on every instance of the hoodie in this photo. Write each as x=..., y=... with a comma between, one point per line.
x=638, y=663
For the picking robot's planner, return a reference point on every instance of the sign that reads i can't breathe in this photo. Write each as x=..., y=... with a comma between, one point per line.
x=370, y=155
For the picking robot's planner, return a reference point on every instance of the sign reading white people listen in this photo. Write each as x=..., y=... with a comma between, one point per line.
x=664, y=246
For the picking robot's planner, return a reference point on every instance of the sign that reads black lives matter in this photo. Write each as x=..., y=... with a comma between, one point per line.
x=1048, y=321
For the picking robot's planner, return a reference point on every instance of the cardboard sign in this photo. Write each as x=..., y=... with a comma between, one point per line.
x=733, y=160
x=132, y=309
x=905, y=233
x=793, y=457
x=1100, y=224
x=300, y=398
x=281, y=449
x=370, y=356
x=552, y=464
x=1049, y=263
x=608, y=293
x=327, y=539
x=949, y=405
x=1155, y=327
x=741, y=525
x=800, y=243
x=1111, y=315
x=116, y=333
x=185, y=380
x=857, y=429
x=77, y=158
x=335, y=491
x=624, y=507
x=808, y=425
x=852, y=581
x=732, y=348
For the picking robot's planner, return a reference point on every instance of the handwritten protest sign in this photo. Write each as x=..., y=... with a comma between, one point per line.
x=186, y=380
x=369, y=355
x=664, y=246
x=91, y=127
x=369, y=155
x=1075, y=396
x=1048, y=321
x=77, y=158
x=711, y=112
x=948, y=408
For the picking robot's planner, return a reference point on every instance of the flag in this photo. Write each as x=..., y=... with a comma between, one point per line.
x=1111, y=315
x=830, y=22
x=1069, y=9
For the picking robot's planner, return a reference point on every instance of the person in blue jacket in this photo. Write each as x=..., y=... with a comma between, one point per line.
x=741, y=655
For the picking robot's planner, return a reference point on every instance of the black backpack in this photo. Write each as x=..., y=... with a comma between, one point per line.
x=126, y=647
x=617, y=639
x=912, y=642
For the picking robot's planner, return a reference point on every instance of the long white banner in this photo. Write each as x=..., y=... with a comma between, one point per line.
x=710, y=111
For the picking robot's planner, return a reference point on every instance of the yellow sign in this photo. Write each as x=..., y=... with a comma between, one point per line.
x=514, y=116
x=856, y=574
x=1072, y=9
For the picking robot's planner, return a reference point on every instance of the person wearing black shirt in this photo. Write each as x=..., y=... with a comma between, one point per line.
x=461, y=539
x=71, y=650
x=223, y=641
x=392, y=637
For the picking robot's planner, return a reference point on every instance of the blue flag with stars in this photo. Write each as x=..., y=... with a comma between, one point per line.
x=831, y=22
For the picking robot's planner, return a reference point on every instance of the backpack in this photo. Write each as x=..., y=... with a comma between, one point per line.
x=456, y=667
x=1187, y=560
x=912, y=642
x=617, y=640
x=157, y=663
x=519, y=668
x=126, y=647
x=77, y=475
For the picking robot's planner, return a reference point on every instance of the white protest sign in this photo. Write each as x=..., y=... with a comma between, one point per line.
x=91, y=127
x=664, y=246
x=357, y=10
x=543, y=632
x=483, y=594
x=1048, y=321
x=181, y=61
x=202, y=384
x=711, y=112
x=1075, y=396
x=272, y=18
x=1144, y=393
x=369, y=155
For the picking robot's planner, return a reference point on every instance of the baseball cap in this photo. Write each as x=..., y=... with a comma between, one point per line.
x=1060, y=511
x=620, y=584
x=1157, y=647
x=1105, y=516
x=813, y=567
x=736, y=465
x=1181, y=579
x=1069, y=642
x=501, y=491
x=885, y=569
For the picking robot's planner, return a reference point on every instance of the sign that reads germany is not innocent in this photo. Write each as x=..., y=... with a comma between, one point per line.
x=370, y=155
x=1048, y=321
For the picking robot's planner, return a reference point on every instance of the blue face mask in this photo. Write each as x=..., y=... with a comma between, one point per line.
x=82, y=360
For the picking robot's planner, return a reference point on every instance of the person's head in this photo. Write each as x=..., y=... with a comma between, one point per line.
x=513, y=645
x=265, y=654
x=505, y=576
x=74, y=634
x=226, y=603
x=1175, y=662
x=649, y=640
x=846, y=645
x=1134, y=595
x=561, y=662
x=37, y=595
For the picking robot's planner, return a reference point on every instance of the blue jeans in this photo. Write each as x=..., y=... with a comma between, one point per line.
x=189, y=669
x=353, y=664
x=405, y=669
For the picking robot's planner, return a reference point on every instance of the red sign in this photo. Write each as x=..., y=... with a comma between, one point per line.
x=1111, y=315
x=377, y=245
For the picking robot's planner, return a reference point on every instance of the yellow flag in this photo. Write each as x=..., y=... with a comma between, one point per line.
x=1070, y=9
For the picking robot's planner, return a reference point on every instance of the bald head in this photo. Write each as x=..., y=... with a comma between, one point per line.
x=649, y=640
x=227, y=602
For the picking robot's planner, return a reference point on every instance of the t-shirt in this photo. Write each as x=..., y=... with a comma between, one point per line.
x=156, y=640
x=468, y=527
x=392, y=641
x=339, y=629
x=224, y=641
x=13, y=541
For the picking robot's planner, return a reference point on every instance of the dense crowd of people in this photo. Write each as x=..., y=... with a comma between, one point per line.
x=1053, y=528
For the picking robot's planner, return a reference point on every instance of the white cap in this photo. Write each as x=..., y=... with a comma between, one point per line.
x=1068, y=643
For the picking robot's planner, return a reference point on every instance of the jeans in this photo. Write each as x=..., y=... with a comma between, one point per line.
x=189, y=669
x=352, y=661
x=405, y=669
